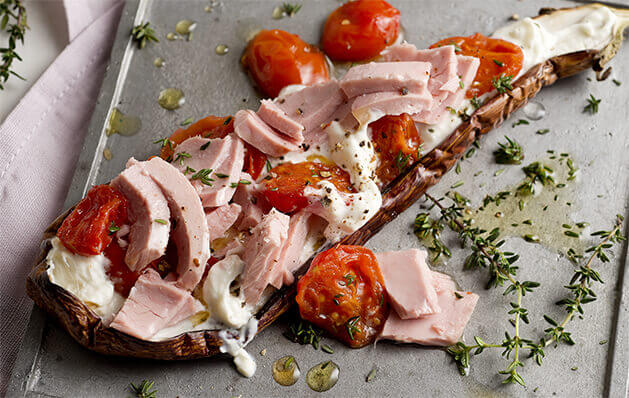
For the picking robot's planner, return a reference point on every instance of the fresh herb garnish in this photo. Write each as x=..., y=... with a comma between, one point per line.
x=519, y=122
x=592, y=106
x=205, y=146
x=290, y=9
x=203, y=175
x=327, y=348
x=350, y=279
x=221, y=175
x=15, y=12
x=304, y=333
x=475, y=102
x=371, y=375
x=542, y=131
x=401, y=161
x=350, y=326
x=181, y=156
x=186, y=122
x=535, y=172
x=142, y=34
x=143, y=390
x=502, y=83
x=500, y=64
x=165, y=142
x=113, y=228
x=617, y=82
x=268, y=166
x=189, y=170
x=161, y=221
x=509, y=153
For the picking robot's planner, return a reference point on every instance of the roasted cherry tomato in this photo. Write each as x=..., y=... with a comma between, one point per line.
x=397, y=144
x=343, y=293
x=120, y=274
x=209, y=127
x=497, y=57
x=284, y=188
x=276, y=59
x=360, y=30
x=255, y=161
x=86, y=231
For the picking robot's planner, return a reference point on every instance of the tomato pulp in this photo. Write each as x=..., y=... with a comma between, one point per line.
x=284, y=188
x=360, y=30
x=276, y=59
x=343, y=293
x=89, y=228
x=497, y=57
x=397, y=144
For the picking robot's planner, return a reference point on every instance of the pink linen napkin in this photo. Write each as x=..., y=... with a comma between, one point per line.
x=41, y=139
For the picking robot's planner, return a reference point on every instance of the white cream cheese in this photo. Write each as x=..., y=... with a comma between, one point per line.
x=223, y=305
x=85, y=277
x=244, y=362
x=563, y=32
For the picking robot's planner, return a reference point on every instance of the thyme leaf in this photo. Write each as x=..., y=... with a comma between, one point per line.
x=142, y=34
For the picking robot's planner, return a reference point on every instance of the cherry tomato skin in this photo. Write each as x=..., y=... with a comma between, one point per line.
x=255, y=161
x=343, y=292
x=284, y=190
x=397, y=145
x=85, y=230
x=497, y=57
x=209, y=127
x=276, y=59
x=360, y=30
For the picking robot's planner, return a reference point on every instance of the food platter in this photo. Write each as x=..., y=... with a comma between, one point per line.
x=49, y=357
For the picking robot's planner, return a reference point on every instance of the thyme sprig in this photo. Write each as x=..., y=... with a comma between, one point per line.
x=581, y=290
x=304, y=333
x=290, y=9
x=143, y=390
x=502, y=83
x=13, y=22
x=592, y=105
x=142, y=34
x=509, y=153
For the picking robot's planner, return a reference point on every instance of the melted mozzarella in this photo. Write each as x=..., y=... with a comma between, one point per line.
x=85, y=277
x=563, y=32
x=223, y=305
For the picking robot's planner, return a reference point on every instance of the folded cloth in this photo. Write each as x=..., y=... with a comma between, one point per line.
x=41, y=139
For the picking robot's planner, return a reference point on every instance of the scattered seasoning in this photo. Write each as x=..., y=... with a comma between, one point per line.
x=498, y=172
x=542, y=131
x=165, y=142
x=107, y=154
x=519, y=122
x=327, y=348
x=268, y=166
x=350, y=279
x=602, y=342
x=574, y=368
x=263, y=352
x=371, y=375
x=404, y=91
x=592, y=105
x=205, y=146
x=181, y=156
x=568, y=226
x=583, y=224
x=531, y=238
x=617, y=82
x=350, y=326
x=475, y=102
x=457, y=295
x=502, y=83
x=186, y=122
x=461, y=84
x=527, y=222
x=221, y=175
x=458, y=168
x=521, y=204
x=161, y=221
x=500, y=64
x=457, y=184
x=203, y=175
x=142, y=34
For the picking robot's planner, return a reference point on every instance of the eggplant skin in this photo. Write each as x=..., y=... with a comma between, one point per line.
x=87, y=329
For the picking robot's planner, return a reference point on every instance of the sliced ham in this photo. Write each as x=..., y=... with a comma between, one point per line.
x=147, y=239
x=221, y=158
x=262, y=254
x=152, y=305
x=294, y=245
x=376, y=77
x=220, y=219
x=191, y=234
x=275, y=117
x=253, y=130
x=409, y=283
x=251, y=211
x=312, y=106
x=442, y=329
x=370, y=107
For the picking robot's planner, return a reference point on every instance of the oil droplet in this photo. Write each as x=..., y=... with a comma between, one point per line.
x=221, y=49
x=171, y=36
x=323, y=376
x=286, y=371
x=534, y=110
x=122, y=124
x=107, y=154
x=171, y=99
x=208, y=9
x=158, y=62
x=185, y=27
